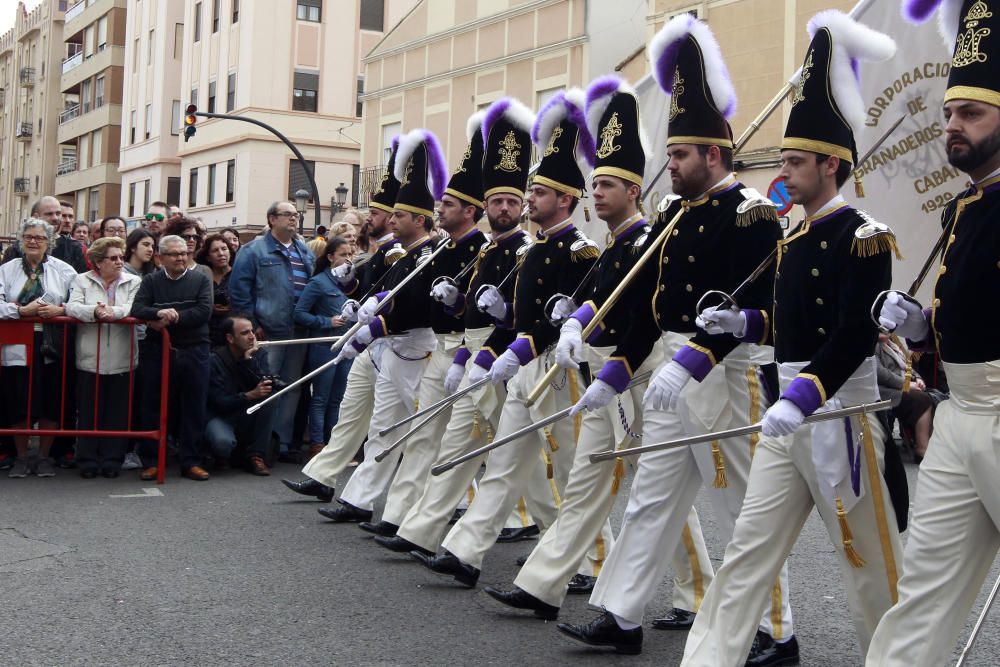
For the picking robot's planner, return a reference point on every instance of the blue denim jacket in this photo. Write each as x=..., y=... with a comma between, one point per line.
x=261, y=284
x=321, y=300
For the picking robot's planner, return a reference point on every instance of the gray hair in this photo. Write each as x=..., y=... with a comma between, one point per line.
x=273, y=208
x=169, y=239
x=38, y=204
x=31, y=223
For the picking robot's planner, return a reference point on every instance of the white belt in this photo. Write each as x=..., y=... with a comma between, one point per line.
x=974, y=388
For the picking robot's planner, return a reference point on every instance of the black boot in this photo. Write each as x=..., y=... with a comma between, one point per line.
x=765, y=652
x=310, y=487
x=604, y=631
x=519, y=599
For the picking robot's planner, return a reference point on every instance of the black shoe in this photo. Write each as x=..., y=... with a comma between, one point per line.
x=448, y=563
x=310, y=487
x=400, y=545
x=580, y=584
x=604, y=631
x=346, y=513
x=109, y=473
x=676, y=619
x=765, y=652
x=455, y=516
x=518, y=534
x=519, y=599
x=383, y=528
x=88, y=473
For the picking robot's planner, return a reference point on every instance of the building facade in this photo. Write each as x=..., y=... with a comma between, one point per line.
x=89, y=132
x=30, y=102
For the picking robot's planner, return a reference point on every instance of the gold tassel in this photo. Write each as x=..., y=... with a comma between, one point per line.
x=586, y=213
x=720, y=467
x=489, y=432
x=549, y=470
x=475, y=425
x=881, y=520
x=616, y=481
x=551, y=439
x=874, y=245
x=574, y=395
x=416, y=405
x=859, y=187
x=853, y=557
x=908, y=372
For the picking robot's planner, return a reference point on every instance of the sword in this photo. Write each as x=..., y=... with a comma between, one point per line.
x=520, y=433
x=406, y=436
x=979, y=624
x=597, y=457
x=447, y=400
x=298, y=341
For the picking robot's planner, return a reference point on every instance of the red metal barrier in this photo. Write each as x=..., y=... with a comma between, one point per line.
x=22, y=332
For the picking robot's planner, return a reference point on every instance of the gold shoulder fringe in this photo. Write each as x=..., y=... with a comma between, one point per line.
x=392, y=259
x=762, y=212
x=584, y=253
x=875, y=245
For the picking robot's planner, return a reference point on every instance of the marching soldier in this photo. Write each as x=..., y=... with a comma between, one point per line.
x=474, y=416
x=420, y=169
x=356, y=407
x=829, y=270
x=956, y=515
x=712, y=215
x=461, y=206
x=556, y=262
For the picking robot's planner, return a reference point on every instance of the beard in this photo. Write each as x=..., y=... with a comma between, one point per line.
x=694, y=183
x=501, y=225
x=969, y=157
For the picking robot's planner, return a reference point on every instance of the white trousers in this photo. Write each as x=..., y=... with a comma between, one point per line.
x=955, y=527
x=667, y=482
x=514, y=469
x=352, y=427
x=782, y=490
x=420, y=450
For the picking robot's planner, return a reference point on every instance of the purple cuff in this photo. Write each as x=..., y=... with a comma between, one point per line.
x=458, y=308
x=381, y=295
x=584, y=314
x=615, y=372
x=927, y=344
x=358, y=346
x=350, y=287
x=804, y=393
x=462, y=356
x=696, y=361
x=508, y=317
x=485, y=358
x=524, y=348
x=756, y=330
x=377, y=327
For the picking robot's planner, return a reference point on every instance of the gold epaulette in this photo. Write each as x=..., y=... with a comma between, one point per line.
x=583, y=249
x=394, y=254
x=873, y=238
x=754, y=207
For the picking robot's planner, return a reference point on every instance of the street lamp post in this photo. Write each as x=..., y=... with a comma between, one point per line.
x=337, y=203
x=301, y=201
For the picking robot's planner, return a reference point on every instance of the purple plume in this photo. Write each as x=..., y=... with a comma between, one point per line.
x=601, y=87
x=436, y=165
x=493, y=114
x=395, y=142
x=586, y=142
x=555, y=101
x=666, y=64
x=918, y=11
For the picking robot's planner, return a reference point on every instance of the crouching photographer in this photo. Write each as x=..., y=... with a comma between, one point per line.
x=238, y=381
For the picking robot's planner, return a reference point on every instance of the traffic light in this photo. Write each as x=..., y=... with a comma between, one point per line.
x=189, y=120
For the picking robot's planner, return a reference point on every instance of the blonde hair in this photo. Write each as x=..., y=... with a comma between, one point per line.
x=316, y=245
x=339, y=228
x=98, y=250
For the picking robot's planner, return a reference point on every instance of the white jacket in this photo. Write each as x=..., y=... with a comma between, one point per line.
x=116, y=340
x=57, y=280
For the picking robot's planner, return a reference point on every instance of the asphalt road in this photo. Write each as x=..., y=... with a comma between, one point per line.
x=239, y=571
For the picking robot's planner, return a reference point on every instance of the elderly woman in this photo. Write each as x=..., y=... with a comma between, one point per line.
x=190, y=230
x=35, y=285
x=105, y=354
x=215, y=255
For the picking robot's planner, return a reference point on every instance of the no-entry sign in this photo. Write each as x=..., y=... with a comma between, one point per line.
x=777, y=193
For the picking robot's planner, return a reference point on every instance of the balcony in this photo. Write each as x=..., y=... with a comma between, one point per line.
x=72, y=62
x=27, y=76
x=23, y=130
x=74, y=11
x=88, y=119
x=95, y=63
x=22, y=185
x=69, y=114
x=66, y=167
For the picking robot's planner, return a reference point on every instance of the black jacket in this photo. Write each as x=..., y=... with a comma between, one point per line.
x=230, y=378
x=190, y=295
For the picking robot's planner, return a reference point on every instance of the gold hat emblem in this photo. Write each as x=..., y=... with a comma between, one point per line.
x=801, y=84
x=509, y=150
x=612, y=130
x=381, y=183
x=406, y=173
x=552, y=148
x=967, y=43
x=465, y=158
x=678, y=90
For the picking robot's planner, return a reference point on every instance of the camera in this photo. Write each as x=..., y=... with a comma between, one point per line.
x=277, y=384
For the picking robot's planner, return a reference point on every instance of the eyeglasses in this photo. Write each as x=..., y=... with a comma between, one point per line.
x=31, y=238
x=114, y=231
x=286, y=214
x=179, y=253
x=115, y=258
x=190, y=237
x=155, y=216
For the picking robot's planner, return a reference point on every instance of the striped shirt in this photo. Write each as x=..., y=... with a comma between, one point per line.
x=299, y=277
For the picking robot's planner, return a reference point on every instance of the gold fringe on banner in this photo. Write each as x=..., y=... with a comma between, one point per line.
x=720, y=467
x=853, y=557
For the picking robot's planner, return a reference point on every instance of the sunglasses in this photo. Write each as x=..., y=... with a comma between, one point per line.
x=159, y=217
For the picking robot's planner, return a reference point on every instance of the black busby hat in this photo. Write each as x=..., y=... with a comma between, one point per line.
x=971, y=30
x=507, y=146
x=384, y=197
x=613, y=121
x=467, y=181
x=827, y=107
x=688, y=65
x=561, y=134
x=421, y=170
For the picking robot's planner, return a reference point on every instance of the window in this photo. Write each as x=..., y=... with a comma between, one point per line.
x=211, y=96
x=297, y=178
x=136, y=51
x=373, y=15
x=359, y=106
x=102, y=33
x=388, y=132
x=173, y=190
x=231, y=92
x=236, y=10
x=304, y=94
x=230, y=180
x=85, y=98
x=145, y=193
x=215, y=15
x=97, y=148
x=149, y=119
x=197, y=21
x=131, y=127
x=193, y=188
x=175, y=117
x=178, y=40
x=149, y=47
x=309, y=10
x=131, y=199
x=95, y=196
x=194, y=96
x=355, y=183
x=211, y=184
x=99, y=92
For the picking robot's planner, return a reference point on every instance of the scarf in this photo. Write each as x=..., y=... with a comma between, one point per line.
x=33, y=287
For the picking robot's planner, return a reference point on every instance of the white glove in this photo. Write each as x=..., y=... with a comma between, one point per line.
x=491, y=301
x=903, y=317
x=363, y=337
x=564, y=308
x=569, y=349
x=343, y=273
x=477, y=373
x=724, y=320
x=665, y=387
x=505, y=367
x=350, y=311
x=445, y=292
x=453, y=378
x=598, y=395
x=366, y=313
x=782, y=418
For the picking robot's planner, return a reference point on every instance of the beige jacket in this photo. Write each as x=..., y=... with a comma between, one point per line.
x=116, y=340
